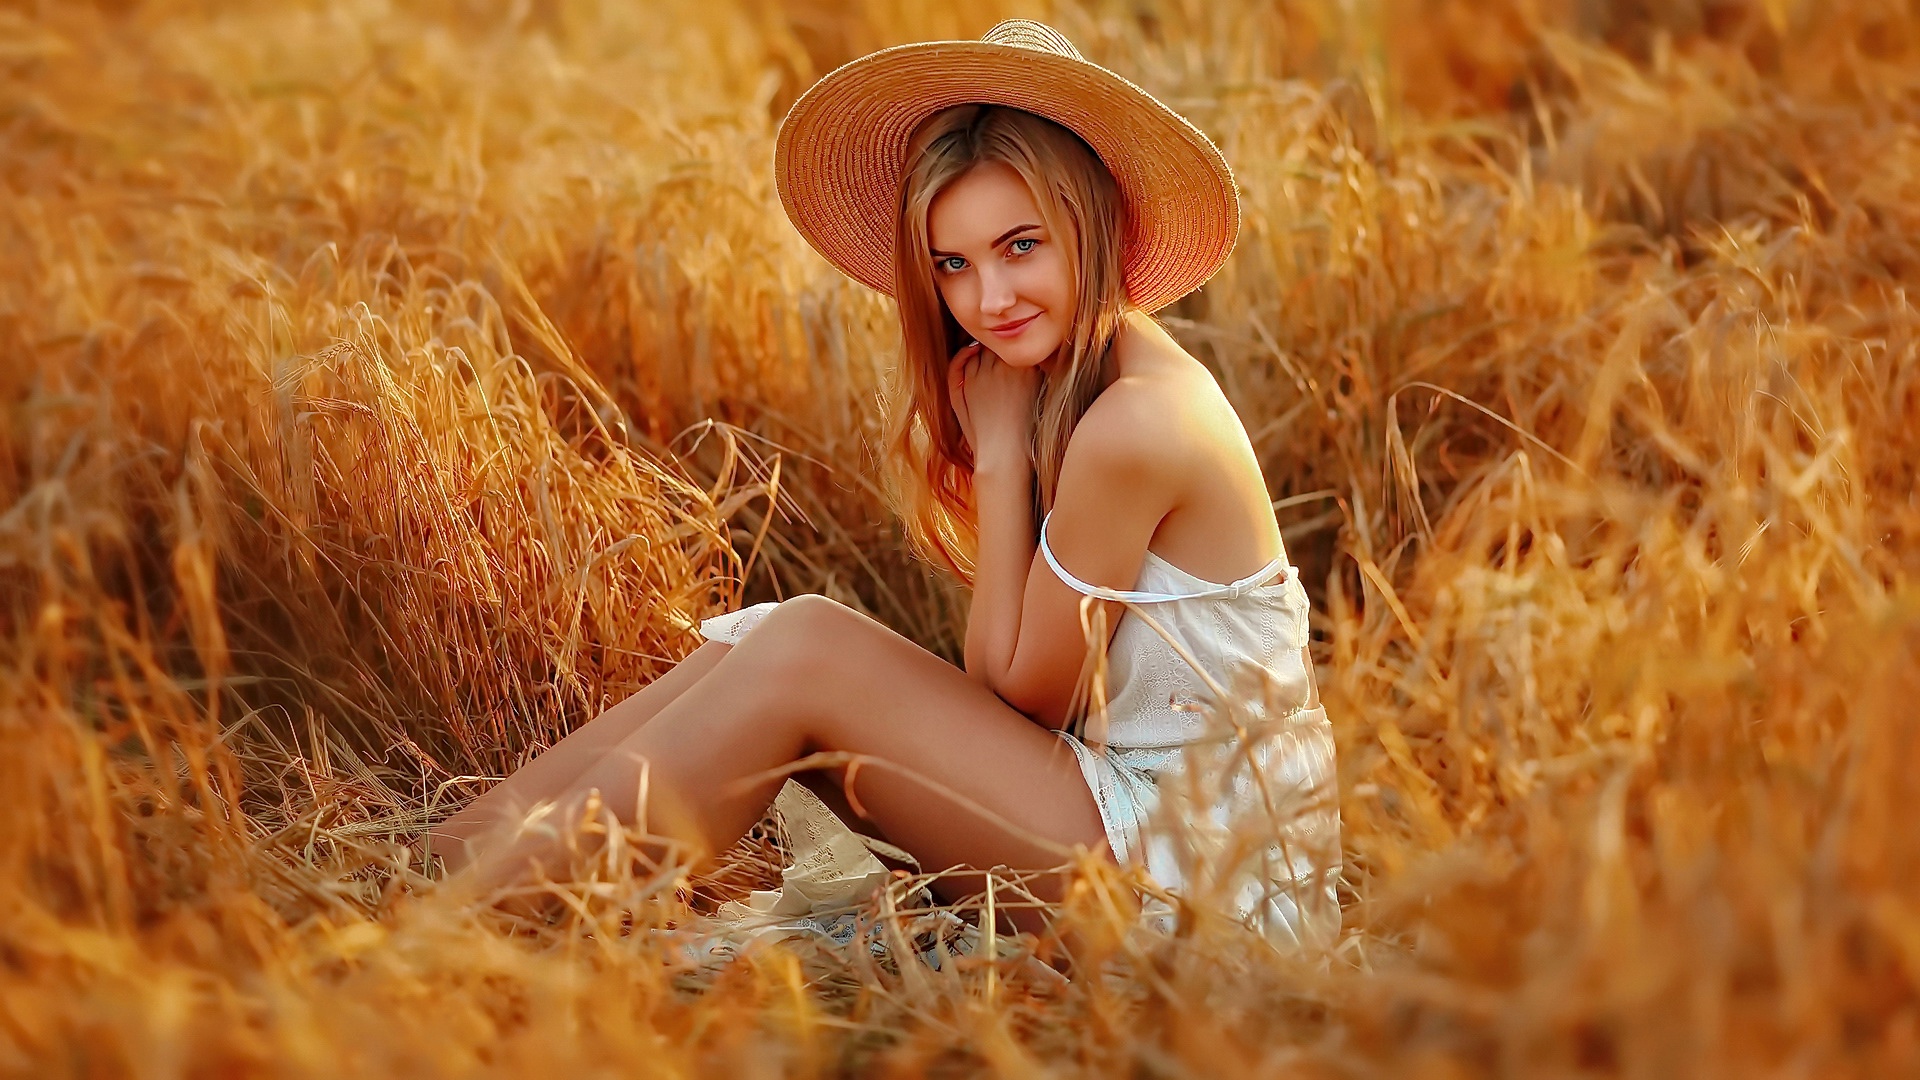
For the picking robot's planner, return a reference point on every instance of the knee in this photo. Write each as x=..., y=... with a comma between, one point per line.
x=801, y=642
x=807, y=616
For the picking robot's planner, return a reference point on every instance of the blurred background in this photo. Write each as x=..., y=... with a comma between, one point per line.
x=388, y=387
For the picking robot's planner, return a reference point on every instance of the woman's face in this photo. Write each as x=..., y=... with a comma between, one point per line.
x=1005, y=277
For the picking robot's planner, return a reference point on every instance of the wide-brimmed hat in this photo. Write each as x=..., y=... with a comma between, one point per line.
x=842, y=149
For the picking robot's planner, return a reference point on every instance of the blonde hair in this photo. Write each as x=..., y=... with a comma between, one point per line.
x=927, y=468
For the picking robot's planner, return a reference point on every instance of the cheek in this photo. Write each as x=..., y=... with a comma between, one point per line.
x=961, y=300
x=1053, y=285
x=1053, y=279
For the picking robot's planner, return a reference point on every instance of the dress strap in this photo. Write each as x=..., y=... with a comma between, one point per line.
x=1260, y=577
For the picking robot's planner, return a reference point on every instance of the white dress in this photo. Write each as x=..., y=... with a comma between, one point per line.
x=1249, y=820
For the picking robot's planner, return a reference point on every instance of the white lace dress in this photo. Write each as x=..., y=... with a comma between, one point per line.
x=1247, y=817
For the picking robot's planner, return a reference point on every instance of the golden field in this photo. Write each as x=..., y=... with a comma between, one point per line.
x=387, y=387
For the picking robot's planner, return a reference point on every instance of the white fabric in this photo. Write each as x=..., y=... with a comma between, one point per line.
x=1173, y=793
x=1247, y=637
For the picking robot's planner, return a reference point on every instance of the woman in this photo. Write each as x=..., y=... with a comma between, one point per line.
x=1048, y=443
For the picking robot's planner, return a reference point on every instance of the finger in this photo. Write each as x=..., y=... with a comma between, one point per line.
x=958, y=365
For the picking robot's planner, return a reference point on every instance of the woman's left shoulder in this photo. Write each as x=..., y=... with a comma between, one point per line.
x=1133, y=433
x=1120, y=426
x=1128, y=403
x=1160, y=392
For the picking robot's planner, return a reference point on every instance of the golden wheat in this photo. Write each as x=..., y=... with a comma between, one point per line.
x=388, y=388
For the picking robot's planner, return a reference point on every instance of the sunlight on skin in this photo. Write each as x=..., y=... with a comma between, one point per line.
x=997, y=265
x=706, y=766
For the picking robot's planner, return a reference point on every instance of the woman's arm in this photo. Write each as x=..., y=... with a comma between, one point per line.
x=1123, y=474
x=994, y=404
x=1120, y=477
x=1003, y=493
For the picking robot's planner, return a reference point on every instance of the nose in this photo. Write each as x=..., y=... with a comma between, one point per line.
x=996, y=293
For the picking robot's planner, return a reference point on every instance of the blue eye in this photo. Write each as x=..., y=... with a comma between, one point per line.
x=1031, y=241
x=945, y=264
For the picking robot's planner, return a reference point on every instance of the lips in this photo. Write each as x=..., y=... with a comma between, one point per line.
x=1012, y=328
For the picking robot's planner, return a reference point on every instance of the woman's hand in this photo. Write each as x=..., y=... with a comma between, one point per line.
x=994, y=404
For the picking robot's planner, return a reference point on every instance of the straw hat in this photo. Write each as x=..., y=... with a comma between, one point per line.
x=842, y=147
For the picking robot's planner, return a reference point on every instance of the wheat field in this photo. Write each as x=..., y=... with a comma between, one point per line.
x=387, y=386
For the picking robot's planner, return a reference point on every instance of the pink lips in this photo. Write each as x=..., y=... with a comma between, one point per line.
x=1013, y=328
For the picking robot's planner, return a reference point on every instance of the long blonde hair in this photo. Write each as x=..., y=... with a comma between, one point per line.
x=927, y=469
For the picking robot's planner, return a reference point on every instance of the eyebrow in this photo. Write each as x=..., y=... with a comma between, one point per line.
x=1001, y=239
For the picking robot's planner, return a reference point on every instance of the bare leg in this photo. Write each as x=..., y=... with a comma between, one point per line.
x=826, y=785
x=554, y=771
x=973, y=783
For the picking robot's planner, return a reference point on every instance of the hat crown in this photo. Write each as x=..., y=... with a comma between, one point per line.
x=1028, y=34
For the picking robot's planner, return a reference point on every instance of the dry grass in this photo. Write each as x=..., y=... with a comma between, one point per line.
x=357, y=362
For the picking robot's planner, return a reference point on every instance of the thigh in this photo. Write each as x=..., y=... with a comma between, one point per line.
x=943, y=766
x=551, y=771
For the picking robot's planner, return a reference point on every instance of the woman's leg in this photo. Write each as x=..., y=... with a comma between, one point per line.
x=952, y=773
x=552, y=772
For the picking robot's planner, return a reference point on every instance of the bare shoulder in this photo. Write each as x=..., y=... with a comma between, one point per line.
x=1163, y=445
x=1144, y=433
x=1164, y=405
x=1127, y=429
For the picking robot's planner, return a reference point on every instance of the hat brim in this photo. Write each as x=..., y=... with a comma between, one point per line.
x=840, y=151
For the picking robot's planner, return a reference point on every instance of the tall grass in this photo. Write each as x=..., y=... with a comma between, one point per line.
x=388, y=388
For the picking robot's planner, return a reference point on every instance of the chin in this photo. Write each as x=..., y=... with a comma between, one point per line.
x=1025, y=358
x=1025, y=353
